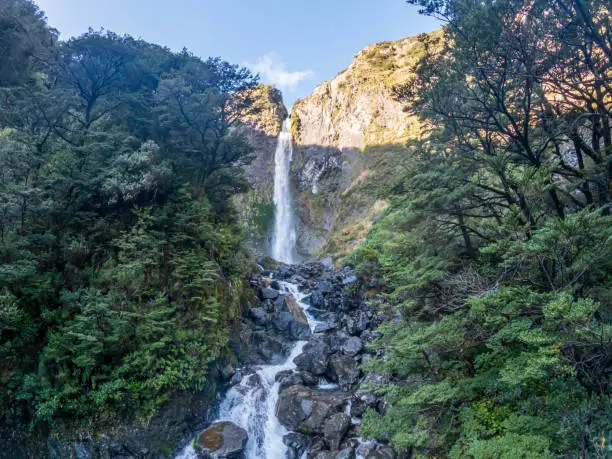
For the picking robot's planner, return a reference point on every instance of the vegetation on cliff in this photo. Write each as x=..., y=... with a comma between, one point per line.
x=121, y=262
x=351, y=135
x=496, y=246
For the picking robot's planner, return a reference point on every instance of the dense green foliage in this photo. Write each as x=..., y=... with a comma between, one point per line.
x=497, y=246
x=121, y=262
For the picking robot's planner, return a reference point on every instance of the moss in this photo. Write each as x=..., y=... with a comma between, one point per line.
x=269, y=263
x=263, y=218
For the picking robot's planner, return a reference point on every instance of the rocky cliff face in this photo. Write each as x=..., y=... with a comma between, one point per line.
x=261, y=125
x=350, y=136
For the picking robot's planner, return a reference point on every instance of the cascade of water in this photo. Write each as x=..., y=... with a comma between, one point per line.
x=284, y=237
x=251, y=404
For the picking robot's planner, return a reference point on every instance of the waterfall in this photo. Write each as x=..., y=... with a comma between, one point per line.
x=284, y=237
x=251, y=404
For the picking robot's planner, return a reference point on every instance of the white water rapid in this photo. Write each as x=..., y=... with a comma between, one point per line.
x=251, y=404
x=284, y=237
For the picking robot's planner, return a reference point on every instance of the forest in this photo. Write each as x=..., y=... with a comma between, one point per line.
x=121, y=263
x=497, y=245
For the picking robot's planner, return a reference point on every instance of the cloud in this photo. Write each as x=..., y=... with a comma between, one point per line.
x=272, y=70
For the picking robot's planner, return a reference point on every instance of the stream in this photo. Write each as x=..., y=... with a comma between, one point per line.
x=251, y=404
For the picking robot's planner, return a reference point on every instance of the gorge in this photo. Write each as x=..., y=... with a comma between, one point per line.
x=412, y=262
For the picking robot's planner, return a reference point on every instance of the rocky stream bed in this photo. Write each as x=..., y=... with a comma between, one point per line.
x=302, y=393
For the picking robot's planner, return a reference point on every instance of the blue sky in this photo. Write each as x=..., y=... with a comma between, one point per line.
x=293, y=44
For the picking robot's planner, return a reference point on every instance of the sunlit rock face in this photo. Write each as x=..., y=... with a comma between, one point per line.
x=350, y=136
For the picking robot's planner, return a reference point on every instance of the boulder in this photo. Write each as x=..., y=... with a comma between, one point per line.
x=352, y=346
x=314, y=357
x=267, y=348
x=227, y=371
x=222, y=440
x=298, y=328
x=297, y=443
x=268, y=293
x=259, y=316
x=323, y=327
x=281, y=321
x=362, y=402
x=292, y=321
x=285, y=271
x=356, y=324
x=317, y=300
x=308, y=378
x=343, y=370
x=336, y=340
x=368, y=336
x=346, y=453
x=334, y=429
x=318, y=445
x=305, y=409
x=236, y=379
x=287, y=379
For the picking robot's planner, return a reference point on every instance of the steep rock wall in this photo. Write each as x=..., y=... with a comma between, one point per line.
x=261, y=126
x=350, y=139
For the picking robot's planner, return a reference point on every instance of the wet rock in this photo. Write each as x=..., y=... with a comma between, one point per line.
x=324, y=455
x=275, y=285
x=298, y=328
x=267, y=348
x=362, y=402
x=305, y=409
x=292, y=323
x=334, y=429
x=268, y=293
x=222, y=440
x=268, y=306
x=324, y=327
x=281, y=321
x=236, y=378
x=318, y=445
x=343, y=370
x=259, y=316
x=285, y=271
x=308, y=378
x=314, y=358
x=302, y=283
x=366, y=449
x=317, y=300
x=227, y=371
x=288, y=378
x=336, y=340
x=356, y=324
x=346, y=453
x=279, y=303
x=297, y=443
x=352, y=346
